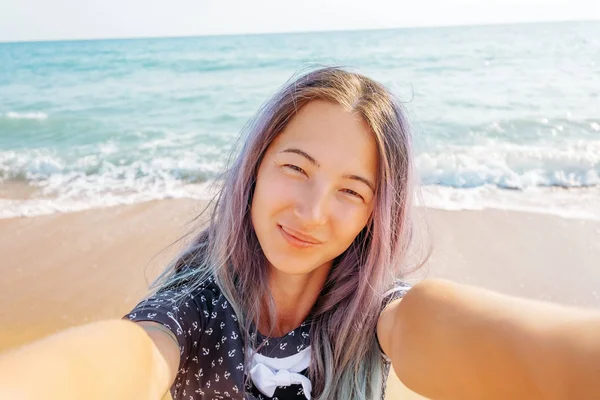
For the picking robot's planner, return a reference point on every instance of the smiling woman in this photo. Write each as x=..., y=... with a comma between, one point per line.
x=307, y=242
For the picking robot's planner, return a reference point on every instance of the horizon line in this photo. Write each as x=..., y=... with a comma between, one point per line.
x=274, y=33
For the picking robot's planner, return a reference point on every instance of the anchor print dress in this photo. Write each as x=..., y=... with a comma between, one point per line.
x=212, y=353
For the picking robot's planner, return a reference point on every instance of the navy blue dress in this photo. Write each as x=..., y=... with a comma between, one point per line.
x=212, y=353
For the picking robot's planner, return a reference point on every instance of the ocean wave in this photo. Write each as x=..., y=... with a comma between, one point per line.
x=511, y=166
x=571, y=164
x=209, y=64
x=72, y=202
x=561, y=180
x=571, y=203
x=25, y=115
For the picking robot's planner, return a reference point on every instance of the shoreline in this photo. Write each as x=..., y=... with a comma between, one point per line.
x=21, y=199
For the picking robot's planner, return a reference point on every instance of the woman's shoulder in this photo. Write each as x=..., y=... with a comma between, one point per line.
x=206, y=293
x=191, y=311
x=182, y=297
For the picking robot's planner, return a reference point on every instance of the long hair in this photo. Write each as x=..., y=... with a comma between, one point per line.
x=346, y=361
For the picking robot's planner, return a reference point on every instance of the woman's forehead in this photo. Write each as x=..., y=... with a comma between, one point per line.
x=332, y=136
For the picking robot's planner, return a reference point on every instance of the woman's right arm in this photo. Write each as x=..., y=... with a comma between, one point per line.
x=112, y=359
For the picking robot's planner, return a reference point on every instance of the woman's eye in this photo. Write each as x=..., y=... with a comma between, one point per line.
x=353, y=193
x=295, y=168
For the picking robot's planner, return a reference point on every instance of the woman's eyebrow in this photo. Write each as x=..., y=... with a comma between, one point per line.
x=314, y=162
x=303, y=154
x=361, y=179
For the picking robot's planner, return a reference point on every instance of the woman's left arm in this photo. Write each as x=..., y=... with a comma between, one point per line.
x=454, y=341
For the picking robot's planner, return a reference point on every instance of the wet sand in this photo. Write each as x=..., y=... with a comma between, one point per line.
x=68, y=269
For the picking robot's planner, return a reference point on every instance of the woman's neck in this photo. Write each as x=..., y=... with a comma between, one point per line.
x=294, y=296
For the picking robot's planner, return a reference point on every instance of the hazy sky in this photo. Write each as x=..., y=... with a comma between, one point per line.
x=78, y=19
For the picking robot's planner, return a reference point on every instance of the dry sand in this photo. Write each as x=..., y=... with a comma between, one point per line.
x=63, y=270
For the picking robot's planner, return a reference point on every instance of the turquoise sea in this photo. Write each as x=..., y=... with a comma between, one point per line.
x=504, y=116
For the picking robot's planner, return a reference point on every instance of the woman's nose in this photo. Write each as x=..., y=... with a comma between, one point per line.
x=312, y=206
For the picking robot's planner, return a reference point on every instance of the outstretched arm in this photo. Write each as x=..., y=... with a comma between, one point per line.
x=452, y=341
x=111, y=359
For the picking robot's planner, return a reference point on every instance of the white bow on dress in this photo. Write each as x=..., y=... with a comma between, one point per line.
x=268, y=373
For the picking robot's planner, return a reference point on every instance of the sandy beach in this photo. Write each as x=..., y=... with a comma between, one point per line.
x=68, y=269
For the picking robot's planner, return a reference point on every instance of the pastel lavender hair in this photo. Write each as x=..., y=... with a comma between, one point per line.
x=346, y=360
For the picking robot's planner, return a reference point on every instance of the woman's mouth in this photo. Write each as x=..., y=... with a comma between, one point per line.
x=298, y=239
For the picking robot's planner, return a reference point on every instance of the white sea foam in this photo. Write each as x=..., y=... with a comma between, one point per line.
x=26, y=115
x=574, y=163
x=562, y=180
x=73, y=201
x=568, y=203
x=516, y=166
x=582, y=203
x=98, y=172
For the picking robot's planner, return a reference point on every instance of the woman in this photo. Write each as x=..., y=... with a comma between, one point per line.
x=292, y=290
x=311, y=228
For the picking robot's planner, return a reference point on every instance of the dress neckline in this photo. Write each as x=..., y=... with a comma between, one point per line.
x=294, y=331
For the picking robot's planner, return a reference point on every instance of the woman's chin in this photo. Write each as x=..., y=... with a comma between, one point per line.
x=291, y=269
x=294, y=268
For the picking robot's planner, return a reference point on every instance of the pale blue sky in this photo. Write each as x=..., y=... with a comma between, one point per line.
x=79, y=19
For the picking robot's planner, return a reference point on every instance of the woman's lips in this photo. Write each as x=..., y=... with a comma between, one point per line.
x=297, y=241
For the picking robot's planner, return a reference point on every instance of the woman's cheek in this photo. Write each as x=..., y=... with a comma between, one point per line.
x=351, y=219
x=279, y=187
x=287, y=179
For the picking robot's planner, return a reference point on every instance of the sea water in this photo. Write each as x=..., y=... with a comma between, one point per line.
x=504, y=116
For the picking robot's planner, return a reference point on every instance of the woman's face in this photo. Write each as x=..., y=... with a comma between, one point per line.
x=315, y=188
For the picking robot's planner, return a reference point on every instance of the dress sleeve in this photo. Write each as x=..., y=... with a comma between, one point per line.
x=179, y=310
x=398, y=290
